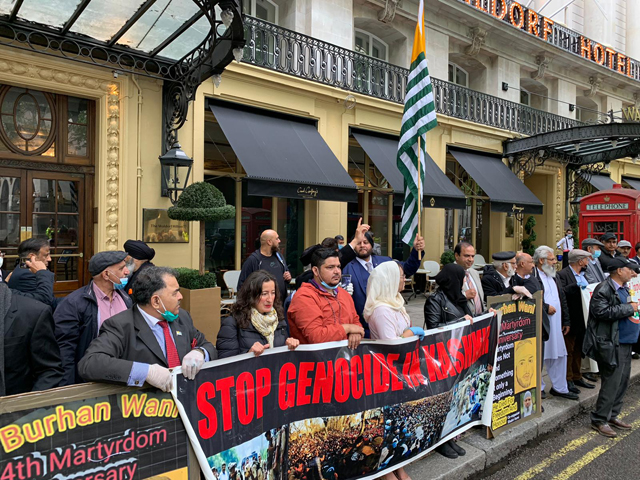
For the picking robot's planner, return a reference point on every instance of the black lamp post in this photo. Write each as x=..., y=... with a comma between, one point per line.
x=176, y=168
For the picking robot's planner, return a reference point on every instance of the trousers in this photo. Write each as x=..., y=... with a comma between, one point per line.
x=614, y=384
x=557, y=370
x=574, y=356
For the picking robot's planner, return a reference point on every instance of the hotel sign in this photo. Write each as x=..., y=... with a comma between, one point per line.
x=530, y=21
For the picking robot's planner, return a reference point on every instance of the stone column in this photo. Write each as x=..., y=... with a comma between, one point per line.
x=633, y=32
x=566, y=93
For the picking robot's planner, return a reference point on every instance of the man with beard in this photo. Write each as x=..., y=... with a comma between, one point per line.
x=139, y=256
x=555, y=302
x=610, y=250
x=496, y=279
x=572, y=281
x=268, y=258
x=361, y=267
x=527, y=407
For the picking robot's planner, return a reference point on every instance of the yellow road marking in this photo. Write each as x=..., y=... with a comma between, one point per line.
x=595, y=453
x=571, y=446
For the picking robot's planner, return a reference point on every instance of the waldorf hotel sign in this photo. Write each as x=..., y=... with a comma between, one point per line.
x=523, y=18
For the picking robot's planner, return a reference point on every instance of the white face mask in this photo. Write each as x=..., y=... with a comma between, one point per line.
x=1, y=261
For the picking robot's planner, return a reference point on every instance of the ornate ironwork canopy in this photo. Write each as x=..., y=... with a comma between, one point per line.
x=182, y=42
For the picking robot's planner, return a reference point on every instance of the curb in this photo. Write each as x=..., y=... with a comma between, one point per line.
x=483, y=453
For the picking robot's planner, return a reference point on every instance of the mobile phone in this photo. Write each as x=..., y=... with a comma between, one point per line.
x=23, y=262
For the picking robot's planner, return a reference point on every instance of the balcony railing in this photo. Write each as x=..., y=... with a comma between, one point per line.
x=282, y=50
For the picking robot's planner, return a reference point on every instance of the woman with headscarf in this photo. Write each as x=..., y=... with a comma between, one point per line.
x=387, y=318
x=447, y=305
x=257, y=320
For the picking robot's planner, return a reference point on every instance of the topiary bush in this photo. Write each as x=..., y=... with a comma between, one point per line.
x=202, y=202
x=527, y=244
x=191, y=279
x=447, y=257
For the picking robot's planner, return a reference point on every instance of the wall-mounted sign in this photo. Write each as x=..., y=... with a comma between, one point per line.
x=608, y=206
x=530, y=21
x=157, y=227
x=631, y=114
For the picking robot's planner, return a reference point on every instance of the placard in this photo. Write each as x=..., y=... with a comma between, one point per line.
x=157, y=227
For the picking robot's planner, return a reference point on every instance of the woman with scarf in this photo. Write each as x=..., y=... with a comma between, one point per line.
x=447, y=305
x=388, y=319
x=257, y=319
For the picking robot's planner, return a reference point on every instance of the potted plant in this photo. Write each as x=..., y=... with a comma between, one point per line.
x=201, y=202
x=447, y=257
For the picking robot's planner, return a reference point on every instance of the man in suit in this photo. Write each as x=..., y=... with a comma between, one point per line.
x=31, y=354
x=31, y=278
x=465, y=255
x=79, y=316
x=555, y=351
x=3, y=272
x=496, y=279
x=636, y=251
x=144, y=342
x=572, y=281
x=366, y=261
x=594, y=272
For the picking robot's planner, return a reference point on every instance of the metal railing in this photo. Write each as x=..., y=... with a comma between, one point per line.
x=282, y=50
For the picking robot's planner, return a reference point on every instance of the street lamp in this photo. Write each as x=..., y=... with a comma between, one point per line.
x=176, y=168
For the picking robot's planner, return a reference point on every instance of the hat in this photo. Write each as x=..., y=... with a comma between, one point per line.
x=576, y=255
x=622, y=262
x=608, y=236
x=369, y=238
x=103, y=260
x=624, y=243
x=139, y=250
x=589, y=242
x=503, y=256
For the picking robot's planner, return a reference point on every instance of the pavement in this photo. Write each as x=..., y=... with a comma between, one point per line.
x=482, y=453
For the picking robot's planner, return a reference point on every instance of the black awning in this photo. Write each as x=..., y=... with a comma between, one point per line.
x=283, y=156
x=633, y=182
x=439, y=192
x=506, y=192
x=601, y=182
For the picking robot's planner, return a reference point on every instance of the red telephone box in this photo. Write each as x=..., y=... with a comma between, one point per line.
x=616, y=211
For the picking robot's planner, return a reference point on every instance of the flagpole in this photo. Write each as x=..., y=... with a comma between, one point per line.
x=419, y=194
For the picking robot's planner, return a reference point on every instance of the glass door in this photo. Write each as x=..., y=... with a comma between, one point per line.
x=12, y=214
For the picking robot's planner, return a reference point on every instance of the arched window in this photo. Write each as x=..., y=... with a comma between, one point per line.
x=525, y=97
x=370, y=45
x=458, y=75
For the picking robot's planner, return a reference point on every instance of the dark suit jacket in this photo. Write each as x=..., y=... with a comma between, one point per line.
x=492, y=283
x=31, y=353
x=533, y=284
x=126, y=338
x=573, y=292
x=38, y=286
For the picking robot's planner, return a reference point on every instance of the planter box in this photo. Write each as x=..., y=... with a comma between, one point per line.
x=204, y=307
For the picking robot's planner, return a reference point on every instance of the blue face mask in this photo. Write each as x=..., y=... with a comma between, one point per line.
x=121, y=285
x=340, y=247
x=328, y=287
x=596, y=254
x=167, y=315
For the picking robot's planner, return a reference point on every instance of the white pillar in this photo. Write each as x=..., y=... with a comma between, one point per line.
x=633, y=32
x=566, y=93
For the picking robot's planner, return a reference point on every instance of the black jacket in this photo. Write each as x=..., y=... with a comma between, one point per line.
x=606, y=258
x=533, y=284
x=31, y=353
x=573, y=293
x=492, y=283
x=605, y=309
x=254, y=263
x=76, y=320
x=233, y=340
x=132, y=279
x=38, y=286
x=440, y=311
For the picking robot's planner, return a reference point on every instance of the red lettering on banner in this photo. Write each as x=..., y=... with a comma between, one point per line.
x=208, y=426
x=323, y=384
x=406, y=366
x=396, y=382
x=342, y=380
x=223, y=385
x=263, y=388
x=445, y=361
x=304, y=382
x=287, y=391
x=415, y=372
x=433, y=365
x=380, y=374
x=356, y=380
x=454, y=346
x=245, y=397
x=368, y=387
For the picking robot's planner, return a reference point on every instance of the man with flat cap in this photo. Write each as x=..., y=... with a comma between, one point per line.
x=496, y=279
x=594, y=272
x=79, y=316
x=624, y=248
x=572, y=281
x=611, y=332
x=139, y=256
x=610, y=250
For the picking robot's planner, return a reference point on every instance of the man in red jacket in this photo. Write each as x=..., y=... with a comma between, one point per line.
x=322, y=312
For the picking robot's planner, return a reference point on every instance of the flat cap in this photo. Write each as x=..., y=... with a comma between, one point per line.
x=103, y=260
x=608, y=236
x=588, y=242
x=503, y=256
x=622, y=262
x=139, y=250
x=624, y=243
x=576, y=255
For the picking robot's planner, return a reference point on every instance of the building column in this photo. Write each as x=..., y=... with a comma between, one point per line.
x=565, y=92
x=503, y=70
x=437, y=54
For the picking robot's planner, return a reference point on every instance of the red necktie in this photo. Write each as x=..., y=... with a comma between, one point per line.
x=173, y=359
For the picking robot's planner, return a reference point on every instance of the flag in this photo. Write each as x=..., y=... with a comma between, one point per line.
x=418, y=118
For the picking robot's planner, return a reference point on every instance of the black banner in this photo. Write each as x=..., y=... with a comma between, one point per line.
x=330, y=411
x=116, y=437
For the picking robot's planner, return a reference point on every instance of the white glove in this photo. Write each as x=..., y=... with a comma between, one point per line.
x=159, y=377
x=192, y=363
x=522, y=291
x=349, y=289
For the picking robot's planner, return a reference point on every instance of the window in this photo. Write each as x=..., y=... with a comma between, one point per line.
x=371, y=45
x=369, y=77
x=525, y=97
x=458, y=76
x=266, y=10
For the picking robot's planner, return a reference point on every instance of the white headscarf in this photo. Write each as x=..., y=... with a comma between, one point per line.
x=382, y=289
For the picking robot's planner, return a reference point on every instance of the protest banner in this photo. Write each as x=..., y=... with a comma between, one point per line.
x=516, y=396
x=588, y=364
x=325, y=411
x=125, y=436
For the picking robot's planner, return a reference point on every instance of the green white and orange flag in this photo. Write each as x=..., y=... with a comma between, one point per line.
x=419, y=117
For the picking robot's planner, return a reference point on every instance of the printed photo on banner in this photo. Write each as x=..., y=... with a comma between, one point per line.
x=525, y=360
x=467, y=403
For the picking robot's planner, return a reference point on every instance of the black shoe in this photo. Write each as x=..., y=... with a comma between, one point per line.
x=635, y=355
x=446, y=451
x=543, y=394
x=541, y=408
x=568, y=395
x=590, y=376
x=572, y=388
x=458, y=449
x=583, y=384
